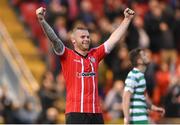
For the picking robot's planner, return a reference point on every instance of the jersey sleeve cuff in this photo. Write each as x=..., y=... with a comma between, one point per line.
x=107, y=48
x=61, y=53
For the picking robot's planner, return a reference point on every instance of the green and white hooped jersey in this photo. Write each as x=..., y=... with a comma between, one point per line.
x=136, y=84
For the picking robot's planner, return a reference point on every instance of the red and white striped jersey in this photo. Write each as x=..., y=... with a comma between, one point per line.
x=81, y=76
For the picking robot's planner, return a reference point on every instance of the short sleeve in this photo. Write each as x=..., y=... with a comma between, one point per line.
x=99, y=52
x=130, y=83
x=65, y=54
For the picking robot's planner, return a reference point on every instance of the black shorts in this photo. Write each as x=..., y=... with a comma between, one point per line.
x=84, y=118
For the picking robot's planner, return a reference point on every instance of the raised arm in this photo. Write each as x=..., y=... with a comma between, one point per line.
x=119, y=32
x=56, y=42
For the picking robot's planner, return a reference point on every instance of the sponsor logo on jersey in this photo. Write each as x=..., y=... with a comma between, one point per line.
x=86, y=74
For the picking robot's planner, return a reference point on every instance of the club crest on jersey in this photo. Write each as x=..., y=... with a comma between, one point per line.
x=92, y=59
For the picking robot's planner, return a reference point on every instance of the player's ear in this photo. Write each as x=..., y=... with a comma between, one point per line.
x=73, y=41
x=72, y=38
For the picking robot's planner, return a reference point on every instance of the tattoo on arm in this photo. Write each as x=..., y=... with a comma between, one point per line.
x=57, y=43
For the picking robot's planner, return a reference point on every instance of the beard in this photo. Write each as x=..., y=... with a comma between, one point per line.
x=85, y=46
x=146, y=63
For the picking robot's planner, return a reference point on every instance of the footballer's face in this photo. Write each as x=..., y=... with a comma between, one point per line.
x=144, y=58
x=81, y=40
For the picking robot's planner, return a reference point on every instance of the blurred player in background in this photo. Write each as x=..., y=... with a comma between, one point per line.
x=80, y=68
x=135, y=98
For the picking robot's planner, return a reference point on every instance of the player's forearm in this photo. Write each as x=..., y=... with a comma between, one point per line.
x=150, y=106
x=118, y=34
x=57, y=43
x=148, y=101
x=126, y=105
x=126, y=109
x=158, y=109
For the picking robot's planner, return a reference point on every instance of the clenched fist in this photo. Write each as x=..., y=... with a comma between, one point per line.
x=40, y=12
x=128, y=13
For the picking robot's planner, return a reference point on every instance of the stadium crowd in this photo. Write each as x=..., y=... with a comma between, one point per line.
x=155, y=27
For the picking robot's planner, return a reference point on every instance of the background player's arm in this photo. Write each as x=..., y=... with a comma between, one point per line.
x=56, y=42
x=119, y=32
x=126, y=106
x=153, y=107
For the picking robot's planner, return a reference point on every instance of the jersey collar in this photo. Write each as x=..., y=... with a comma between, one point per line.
x=81, y=54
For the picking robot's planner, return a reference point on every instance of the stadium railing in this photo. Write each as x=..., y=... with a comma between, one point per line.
x=14, y=71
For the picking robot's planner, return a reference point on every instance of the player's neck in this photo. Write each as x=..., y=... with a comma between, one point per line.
x=142, y=68
x=81, y=52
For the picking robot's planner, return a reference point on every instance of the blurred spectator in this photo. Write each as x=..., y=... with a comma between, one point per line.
x=8, y=110
x=47, y=93
x=117, y=21
x=121, y=64
x=176, y=29
x=86, y=14
x=60, y=28
x=60, y=83
x=113, y=101
x=168, y=52
x=140, y=6
x=51, y=116
x=97, y=7
x=137, y=36
x=95, y=38
x=167, y=42
x=26, y=114
x=105, y=28
x=143, y=36
x=60, y=86
x=113, y=8
x=167, y=12
x=73, y=9
x=55, y=9
x=103, y=81
x=150, y=73
x=1, y=107
x=152, y=20
x=172, y=101
x=162, y=77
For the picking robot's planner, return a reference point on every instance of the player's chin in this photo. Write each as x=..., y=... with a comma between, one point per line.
x=147, y=63
x=86, y=47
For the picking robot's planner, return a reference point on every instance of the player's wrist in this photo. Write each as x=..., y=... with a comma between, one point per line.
x=41, y=19
x=126, y=120
x=127, y=18
x=149, y=106
x=154, y=108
